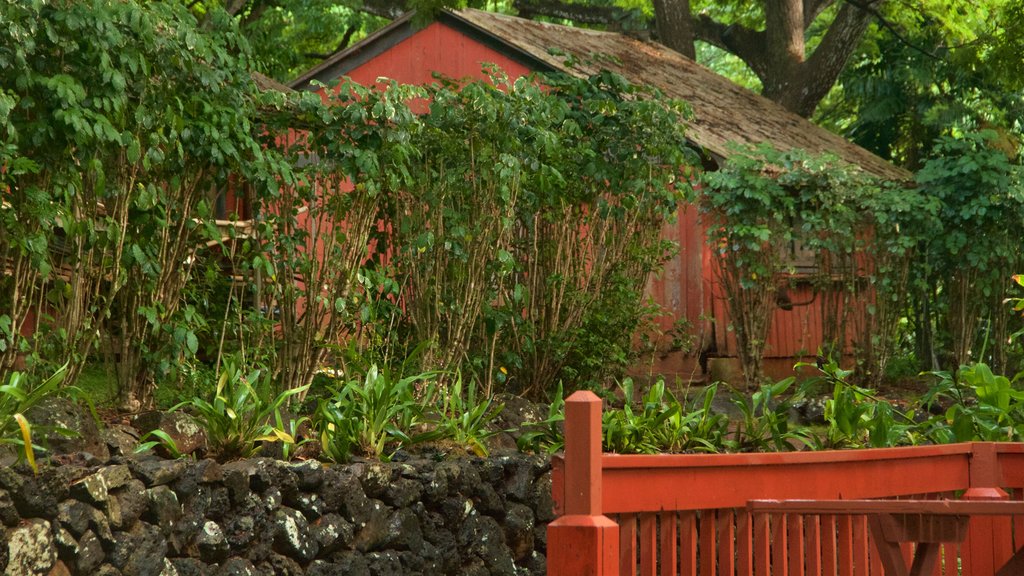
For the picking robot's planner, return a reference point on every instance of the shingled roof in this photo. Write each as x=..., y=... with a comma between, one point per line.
x=723, y=111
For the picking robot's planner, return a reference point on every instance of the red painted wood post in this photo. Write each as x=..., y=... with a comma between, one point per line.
x=582, y=542
x=988, y=543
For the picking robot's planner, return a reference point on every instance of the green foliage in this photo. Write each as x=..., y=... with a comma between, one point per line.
x=944, y=98
x=159, y=438
x=374, y=416
x=519, y=253
x=765, y=206
x=548, y=435
x=119, y=147
x=242, y=413
x=856, y=417
x=663, y=423
x=18, y=396
x=463, y=417
x=984, y=406
x=975, y=242
x=764, y=423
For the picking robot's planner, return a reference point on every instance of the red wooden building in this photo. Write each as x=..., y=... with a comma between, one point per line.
x=457, y=44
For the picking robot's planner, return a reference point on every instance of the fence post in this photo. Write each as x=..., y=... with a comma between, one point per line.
x=989, y=538
x=582, y=542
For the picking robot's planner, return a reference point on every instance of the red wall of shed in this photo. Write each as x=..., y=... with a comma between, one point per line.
x=435, y=48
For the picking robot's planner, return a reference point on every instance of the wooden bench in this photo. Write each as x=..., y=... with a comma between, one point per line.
x=926, y=523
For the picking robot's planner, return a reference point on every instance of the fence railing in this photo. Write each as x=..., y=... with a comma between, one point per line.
x=686, y=514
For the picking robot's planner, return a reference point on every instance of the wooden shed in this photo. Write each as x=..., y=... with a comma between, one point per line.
x=457, y=44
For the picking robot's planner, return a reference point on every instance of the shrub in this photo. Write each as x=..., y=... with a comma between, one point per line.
x=242, y=413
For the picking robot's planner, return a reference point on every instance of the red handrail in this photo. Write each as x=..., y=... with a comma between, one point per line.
x=684, y=513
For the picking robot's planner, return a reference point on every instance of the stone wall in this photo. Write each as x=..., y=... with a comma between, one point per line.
x=150, y=516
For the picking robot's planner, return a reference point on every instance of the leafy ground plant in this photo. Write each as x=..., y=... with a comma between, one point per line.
x=463, y=416
x=765, y=423
x=241, y=413
x=662, y=423
x=548, y=435
x=17, y=396
x=374, y=416
x=982, y=406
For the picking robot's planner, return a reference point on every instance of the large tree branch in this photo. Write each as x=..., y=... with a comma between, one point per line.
x=579, y=13
x=390, y=9
x=747, y=44
x=813, y=9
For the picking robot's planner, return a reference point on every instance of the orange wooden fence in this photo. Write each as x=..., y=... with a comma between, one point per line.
x=686, y=514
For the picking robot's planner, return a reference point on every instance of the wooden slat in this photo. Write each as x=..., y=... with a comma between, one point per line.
x=876, y=560
x=812, y=545
x=627, y=544
x=649, y=544
x=780, y=549
x=860, y=546
x=726, y=542
x=1018, y=522
x=851, y=474
x=744, y=544
x=828, y=545
x=669, y=548
x=762, y=544
x=688, y=543
x=708, y=530
x=844, y=545
x=891, y=506
x=795, y=536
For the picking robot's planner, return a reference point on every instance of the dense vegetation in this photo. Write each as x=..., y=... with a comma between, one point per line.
x=436, y=245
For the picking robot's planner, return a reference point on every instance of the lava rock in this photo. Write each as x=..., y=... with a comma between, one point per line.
x=8, y=512
x=31, y=549
x=54, y=415
x=292, y=536
x=308, y=475
x=332, y=533
x=518, y=526
x=211, y=543
x=154, y=472
x=90, y=553
x=126, y=505
x=188, y=437
x=140, y=551
x=96, y=488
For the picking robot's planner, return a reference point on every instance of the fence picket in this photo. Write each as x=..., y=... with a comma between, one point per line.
x=648, y=544
x=669, y=547
x=844, y=545
x=627, y=544
x=688, y=543
x=795, y=535
x=706, y=536
x=812, y=545
x=779, y=545
x=762, y=545
x=726, y=542
x=744, y=546
x=828, y=545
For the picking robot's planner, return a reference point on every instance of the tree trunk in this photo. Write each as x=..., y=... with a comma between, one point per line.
x=675, y=26
x=800, y=86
